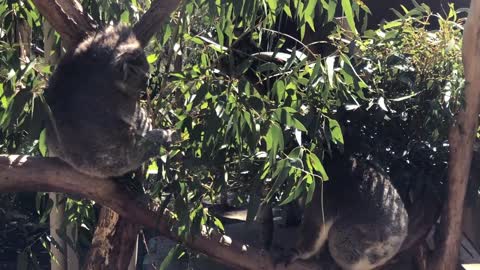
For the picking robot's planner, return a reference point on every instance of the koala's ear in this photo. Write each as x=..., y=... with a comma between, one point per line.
x=134, y=65
x=132, y=70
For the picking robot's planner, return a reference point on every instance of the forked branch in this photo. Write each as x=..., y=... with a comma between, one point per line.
x=67, y=18
x=73, y=24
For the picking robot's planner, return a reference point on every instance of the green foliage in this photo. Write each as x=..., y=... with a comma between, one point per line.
x=415, y=83
x=416, y=72
x=22, y=78
x=237, y=138
x=23, y=232
x=105, y=11
x=404, y=80
x=257, y=110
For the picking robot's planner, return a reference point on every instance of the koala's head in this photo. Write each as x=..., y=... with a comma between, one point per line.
x=116, y=55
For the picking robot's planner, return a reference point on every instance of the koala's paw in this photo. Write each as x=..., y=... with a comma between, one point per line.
x=162, y=137
x=154, y=139
x=174, y=135
x=286, y=257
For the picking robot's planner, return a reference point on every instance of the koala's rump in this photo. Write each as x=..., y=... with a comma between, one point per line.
x=370, y=231
x=360, y=244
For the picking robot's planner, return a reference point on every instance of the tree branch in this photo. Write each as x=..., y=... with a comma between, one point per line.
x=152, y=21
x=461, y=138
x=24, y=173
x=67, y=18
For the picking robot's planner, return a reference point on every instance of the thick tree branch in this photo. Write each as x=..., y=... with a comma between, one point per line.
x=24, y=173
x=461, y=139
x=67, y=18
x=152, y=21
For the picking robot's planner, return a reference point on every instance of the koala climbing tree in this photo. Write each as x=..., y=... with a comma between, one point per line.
x=358, y=214
x=97, y=124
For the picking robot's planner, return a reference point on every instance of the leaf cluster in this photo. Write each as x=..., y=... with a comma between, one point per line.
x=257, y=109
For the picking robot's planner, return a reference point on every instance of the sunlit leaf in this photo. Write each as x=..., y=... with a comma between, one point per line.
x=281, y=173
x=310, y=188
x=272, y=4
x=274, y=139
x=347, y=9
x=42, y=145
x=335, y=131
x=329, y=62
x=166, y=34
x=314, y=162
x=125, y=16
x=152, y=58
x=168, y=259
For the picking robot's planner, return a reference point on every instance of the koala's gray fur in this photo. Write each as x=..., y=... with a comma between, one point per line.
x=97, y=124
x=363, y=219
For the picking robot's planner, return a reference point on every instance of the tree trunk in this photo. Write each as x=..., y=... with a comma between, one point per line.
x=113, y=242
x=134, y=258
x=67, y=257
x=23, y=38
x=73, y=261
x=461, y=138
x=57, y=245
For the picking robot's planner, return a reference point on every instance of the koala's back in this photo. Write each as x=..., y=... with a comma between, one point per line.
x=360, y=215
x=94, y=102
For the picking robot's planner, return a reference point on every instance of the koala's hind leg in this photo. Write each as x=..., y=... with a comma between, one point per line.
x=363, y=246
x=312, y=235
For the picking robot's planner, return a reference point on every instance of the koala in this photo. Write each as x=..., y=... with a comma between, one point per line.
x=362, y=218
x=97, y=124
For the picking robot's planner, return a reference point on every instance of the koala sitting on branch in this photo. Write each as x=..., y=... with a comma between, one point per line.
x=97, y=124
x=360, y=217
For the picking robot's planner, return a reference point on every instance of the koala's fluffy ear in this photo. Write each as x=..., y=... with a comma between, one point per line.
x=132, y=69
x=130, y=64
